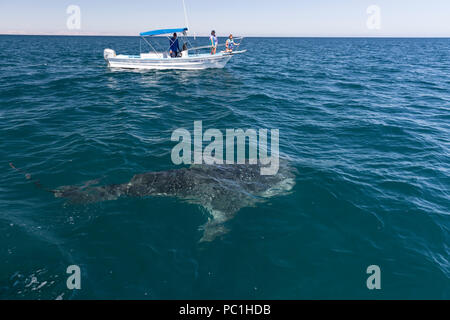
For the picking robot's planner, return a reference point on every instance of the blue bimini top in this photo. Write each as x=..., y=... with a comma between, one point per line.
x=162, y=31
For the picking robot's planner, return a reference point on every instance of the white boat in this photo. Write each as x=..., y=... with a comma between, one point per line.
x=191, y=58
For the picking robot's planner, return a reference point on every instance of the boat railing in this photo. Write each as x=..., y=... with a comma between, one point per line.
x=219, y=45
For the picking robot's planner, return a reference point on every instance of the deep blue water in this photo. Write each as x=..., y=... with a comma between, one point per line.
x=366, y=123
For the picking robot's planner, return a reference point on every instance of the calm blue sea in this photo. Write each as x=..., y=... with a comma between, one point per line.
x=366, y=123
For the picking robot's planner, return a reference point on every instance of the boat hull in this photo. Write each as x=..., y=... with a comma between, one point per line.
x=198, y=62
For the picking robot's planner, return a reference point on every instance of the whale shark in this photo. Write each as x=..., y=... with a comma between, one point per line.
x=222, y=190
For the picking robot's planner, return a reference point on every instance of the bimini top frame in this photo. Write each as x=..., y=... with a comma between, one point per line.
x=169, y=32
x=158, y=33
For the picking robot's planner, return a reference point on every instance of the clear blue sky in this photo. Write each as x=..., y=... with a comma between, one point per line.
x=243, y=17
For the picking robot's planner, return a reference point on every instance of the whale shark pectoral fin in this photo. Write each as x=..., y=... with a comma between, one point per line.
x=215, y=226
x=211, y=230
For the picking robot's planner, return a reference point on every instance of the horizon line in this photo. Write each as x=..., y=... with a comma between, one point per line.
x=249, y=36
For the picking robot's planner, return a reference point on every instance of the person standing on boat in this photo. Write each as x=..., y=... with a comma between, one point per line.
x=230, y=44
x=214, y=42
x=174, y=46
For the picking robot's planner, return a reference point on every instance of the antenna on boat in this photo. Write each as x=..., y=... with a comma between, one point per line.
x=186, y=18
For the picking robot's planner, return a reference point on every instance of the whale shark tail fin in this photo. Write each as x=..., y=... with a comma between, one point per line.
x=30, y=178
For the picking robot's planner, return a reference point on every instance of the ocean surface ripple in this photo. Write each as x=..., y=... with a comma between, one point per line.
x=365, y=122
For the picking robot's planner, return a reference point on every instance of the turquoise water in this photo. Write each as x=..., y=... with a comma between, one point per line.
x=365, y=122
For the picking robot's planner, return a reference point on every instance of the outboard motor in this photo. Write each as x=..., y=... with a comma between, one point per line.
x=109, y=53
